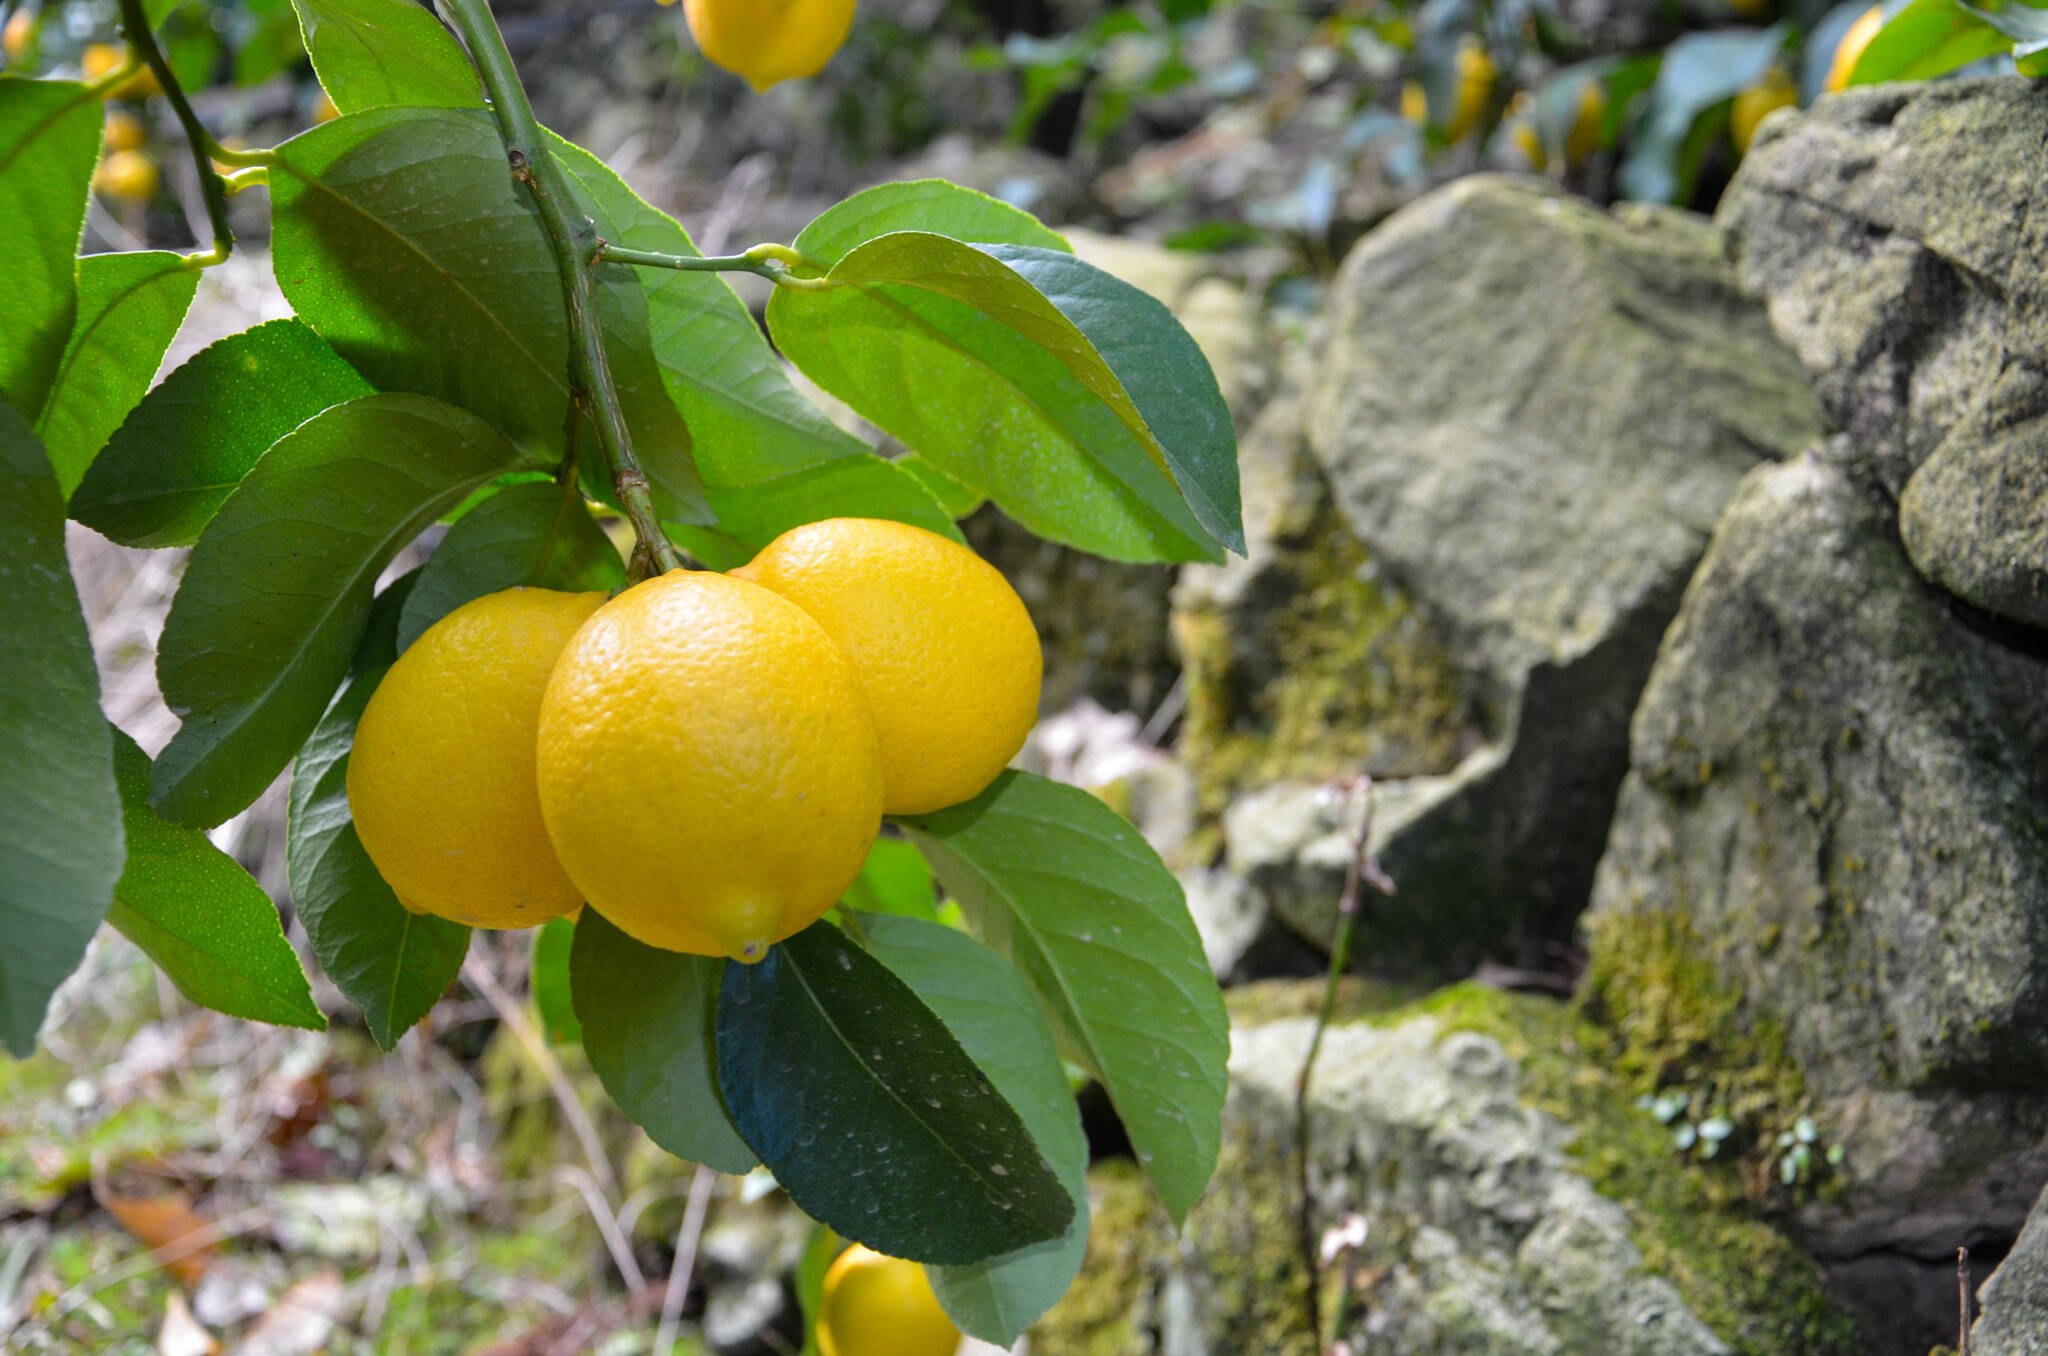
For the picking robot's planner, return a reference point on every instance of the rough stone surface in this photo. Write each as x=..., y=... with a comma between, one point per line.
x=1835, y=797
x=1531, y=413
x=2015, y=1299
x=1483, y=1231
x=1895, y=237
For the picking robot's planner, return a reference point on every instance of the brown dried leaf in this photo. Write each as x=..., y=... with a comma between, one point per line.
x=300, y=1323
x=184, y=1243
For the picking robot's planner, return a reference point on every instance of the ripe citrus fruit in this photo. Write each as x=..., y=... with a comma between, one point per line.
x=943, y=648
x=441, y=780
x=1753, y=105
x=767, y=41
x=708, y=769
x=124, y=131
x=1475, y=76
x=882, y=1306
x=126, y=174
x=18, y=38
x=1850, y=50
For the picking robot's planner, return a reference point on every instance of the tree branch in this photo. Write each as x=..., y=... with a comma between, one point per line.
x=135, y=23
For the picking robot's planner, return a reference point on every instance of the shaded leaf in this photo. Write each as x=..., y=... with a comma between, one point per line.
x=181, y=452
x=60, y=817
x=390, y=962
x=647, y=1021
x=992, y=1012
x=202, y=918
x=1072, y=894
x=49, y=140
x=1699, y=71
x=870, y=1114
x=920, y=205
x=958, y=355
x=537, y=533
x=549, y=981
x=129, y=308
x=386, y=53
x=277, y=591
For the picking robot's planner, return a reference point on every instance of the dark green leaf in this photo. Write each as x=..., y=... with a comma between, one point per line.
x=537, y=534
x=183, y=450
x=647, y=1021
x=1699, y=71
x=552, y=943
x=919, y=205
x=277, y=591
x=992, y=1012
x=1926, y=39
x=129, y=307
x=895, y=879
x=49, y=139
x=1162, y=368
x=1070, y=892
x=200, y=916
x=770, y=459
x=870, y=1114
x=60, y=818
x=950, y=349
x=385, y=53
x=390, y=962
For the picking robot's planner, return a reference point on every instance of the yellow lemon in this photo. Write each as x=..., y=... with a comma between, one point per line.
x=882, y=1306
x=943, y=648
x=1588, y=124
x=126, y=174
x=441, y=779
x=1476, y=73
x=1753, y=105
x=707, y=768
x=767, y=41
x=100, y=59
x=1415, y=103
x=323, y=107
x=1850, y=50
x=124, y=131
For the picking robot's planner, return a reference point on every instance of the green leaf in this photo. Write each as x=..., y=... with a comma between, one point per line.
x=129, y=308
x=991, y=1011
x=60, y=818
x=1927, y=38
x=549, y=980
x=276, y=593
x=821, y=1249
x=537, y=534
x=956, y=499
x=182, y=451
x=385, y=53
x=647, y=1021
x=390, y=962
x=200, y=916
x=49, y=140
x=894, y=879
x=770, y=458
x=1162, y=368
x=1699, y=72
x=401, y=237
x=920, y=205
x=1069, y=891
x=958, y=355
x=869, y=1113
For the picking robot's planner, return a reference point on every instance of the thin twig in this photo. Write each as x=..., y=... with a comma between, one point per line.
x=1364, y=869
x=1963, y=1301
x=135, y=23
x=484, y=982
x=773, y=262
x=686, y=1260
x=590, y=373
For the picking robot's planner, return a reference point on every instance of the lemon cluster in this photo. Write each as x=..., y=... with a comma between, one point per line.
x=704, y=758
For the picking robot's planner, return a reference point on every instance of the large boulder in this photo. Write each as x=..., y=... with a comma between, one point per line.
x=1835, y=810
x=1513, y=1199
x=1893, y=235
x=1529, y=413
x=2015, y=1299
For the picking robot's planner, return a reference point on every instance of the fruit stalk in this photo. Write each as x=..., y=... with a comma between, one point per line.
x=136, y=22
x=573, y=241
